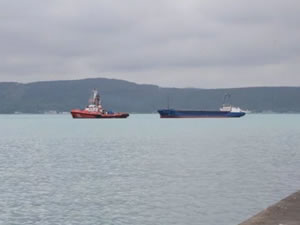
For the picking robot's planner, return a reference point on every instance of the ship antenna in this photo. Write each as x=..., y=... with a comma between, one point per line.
x=168, y=101
x=226, y=96
x=96, y=98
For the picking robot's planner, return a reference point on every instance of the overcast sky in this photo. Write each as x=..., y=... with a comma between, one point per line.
x=181, y=43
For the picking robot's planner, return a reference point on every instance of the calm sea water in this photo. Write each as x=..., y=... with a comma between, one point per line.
x=145, y=170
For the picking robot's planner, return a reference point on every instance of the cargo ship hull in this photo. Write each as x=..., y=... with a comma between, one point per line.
x=171, y=113
x=82, y=114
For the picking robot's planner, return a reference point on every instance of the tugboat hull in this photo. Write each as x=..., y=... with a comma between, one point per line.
x=82, y=114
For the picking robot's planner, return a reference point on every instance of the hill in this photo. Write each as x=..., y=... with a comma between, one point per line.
x=119, y=95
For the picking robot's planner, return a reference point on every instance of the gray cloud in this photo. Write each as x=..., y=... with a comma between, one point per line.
x=169, y=42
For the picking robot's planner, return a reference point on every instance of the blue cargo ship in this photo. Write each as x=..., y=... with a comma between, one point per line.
x=224, y=112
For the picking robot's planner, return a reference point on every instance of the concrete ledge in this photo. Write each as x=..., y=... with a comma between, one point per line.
x=285, y=212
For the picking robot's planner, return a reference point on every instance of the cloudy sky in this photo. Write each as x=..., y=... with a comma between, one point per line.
x=181, y=43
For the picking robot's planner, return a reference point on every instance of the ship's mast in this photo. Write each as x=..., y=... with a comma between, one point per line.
x=95, y=99
x=226, y=100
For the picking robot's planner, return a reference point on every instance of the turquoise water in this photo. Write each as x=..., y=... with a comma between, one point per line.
x=145, y=170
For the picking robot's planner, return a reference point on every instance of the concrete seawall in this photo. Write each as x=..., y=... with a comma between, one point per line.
x=285, y=212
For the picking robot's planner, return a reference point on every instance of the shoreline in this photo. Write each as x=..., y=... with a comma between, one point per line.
x=284, y=212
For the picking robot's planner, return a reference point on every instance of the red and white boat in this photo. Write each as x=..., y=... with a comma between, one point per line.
x=95, y=111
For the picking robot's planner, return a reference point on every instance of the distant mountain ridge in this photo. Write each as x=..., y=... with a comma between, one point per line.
x=120, y=95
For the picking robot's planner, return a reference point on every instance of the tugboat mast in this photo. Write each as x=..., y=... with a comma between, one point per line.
x=95, y=99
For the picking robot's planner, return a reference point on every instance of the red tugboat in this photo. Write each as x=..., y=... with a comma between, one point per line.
x=95, y=111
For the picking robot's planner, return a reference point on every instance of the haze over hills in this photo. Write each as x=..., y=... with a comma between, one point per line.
x=119, y=95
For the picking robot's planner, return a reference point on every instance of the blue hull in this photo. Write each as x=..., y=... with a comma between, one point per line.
x=171, y=113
